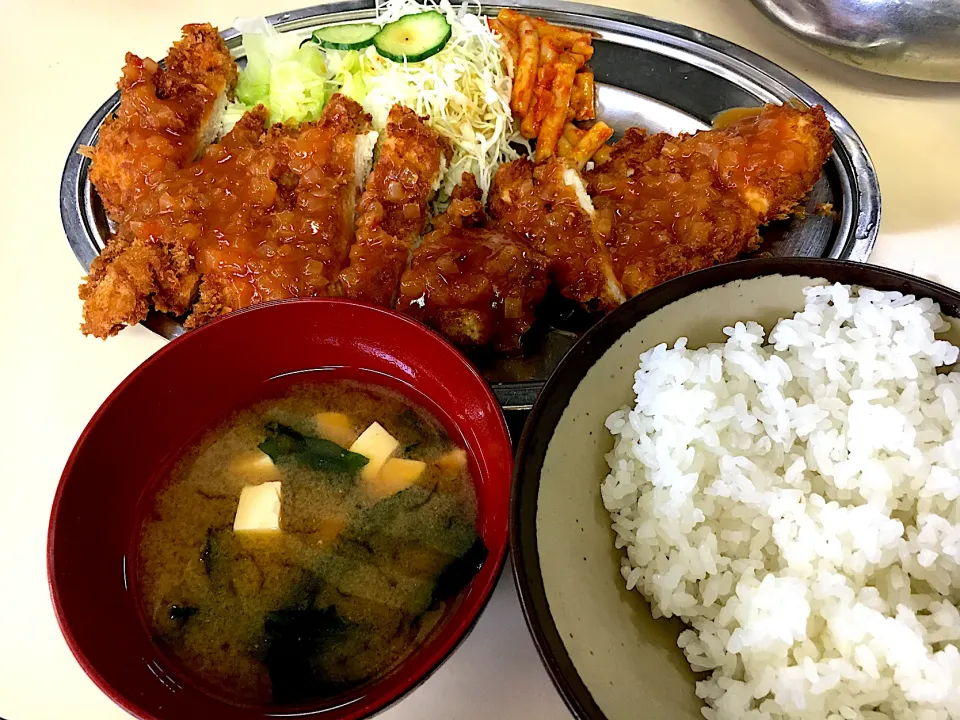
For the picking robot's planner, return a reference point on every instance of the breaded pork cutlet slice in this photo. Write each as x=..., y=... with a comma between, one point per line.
x=392, y=213
x=547, y=206
x=474, y=284
x=148, y=264
x=263, y=215
x=671, y=205
x=132, y=276
x=165, y=120
x=303, y=239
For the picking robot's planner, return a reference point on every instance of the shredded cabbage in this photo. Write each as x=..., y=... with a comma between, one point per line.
x=463, y=88
x=289, y=80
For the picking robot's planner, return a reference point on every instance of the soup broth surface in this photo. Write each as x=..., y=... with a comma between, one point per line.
x=359, y=572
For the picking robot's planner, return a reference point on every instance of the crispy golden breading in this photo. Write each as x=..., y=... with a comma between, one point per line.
x=466, y=206
x=473, y=284
x=263, y=215
x=216, y=296
x=130, y=277
x=545, y=205
x=165, y=119
x=671, y=205
x=266, y=214
x=142, y=267
x=201, y=56
x=297, y=246
x=392, y=213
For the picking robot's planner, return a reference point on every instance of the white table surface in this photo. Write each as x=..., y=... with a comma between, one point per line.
x=60, y=60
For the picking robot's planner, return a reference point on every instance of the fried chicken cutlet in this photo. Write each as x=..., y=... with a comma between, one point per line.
x=670, y=205
x=547, y=207
x=165, y=120
x=392, y=213
x=475, y=285
x=262, y=215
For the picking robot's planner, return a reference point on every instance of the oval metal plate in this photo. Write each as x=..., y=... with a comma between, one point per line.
x=650, y=73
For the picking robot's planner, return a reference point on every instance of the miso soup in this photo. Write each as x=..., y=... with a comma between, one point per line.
x=308, y=543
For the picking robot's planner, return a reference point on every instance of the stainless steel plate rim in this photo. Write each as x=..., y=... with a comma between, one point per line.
x=858, y=180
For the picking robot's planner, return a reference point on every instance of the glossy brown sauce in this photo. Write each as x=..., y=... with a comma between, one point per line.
x=271, y=214
x=475, y=285
x=157, y=143
x=392, y=212
x=728, y=117
x=536, y=204
x=153, y=134
x=670, y=205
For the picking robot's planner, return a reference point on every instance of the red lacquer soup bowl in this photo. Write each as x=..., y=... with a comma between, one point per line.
x=187, y=387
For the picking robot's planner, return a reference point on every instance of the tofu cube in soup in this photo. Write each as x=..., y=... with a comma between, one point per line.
x=397, y=474
x=376, y=444
x=255, y=466
x=453, y=461
x=336, y=427
x=328, y=530
x=259, y=509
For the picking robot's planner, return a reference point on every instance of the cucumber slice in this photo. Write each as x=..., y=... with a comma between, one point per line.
x=346, y=37
x=413, y=37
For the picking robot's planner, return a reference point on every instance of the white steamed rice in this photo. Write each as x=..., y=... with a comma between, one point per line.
x=794, y=499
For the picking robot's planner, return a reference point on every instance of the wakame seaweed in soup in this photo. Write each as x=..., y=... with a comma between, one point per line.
x=308, y=543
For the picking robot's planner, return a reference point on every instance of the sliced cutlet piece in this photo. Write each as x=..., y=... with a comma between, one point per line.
x=132, y=276
x=475, y=285
x=302, y=242
x=547, y=206
x=148, y=264
x=165, y=120
x=263, y=215
x=392, y=213
x=671, y=205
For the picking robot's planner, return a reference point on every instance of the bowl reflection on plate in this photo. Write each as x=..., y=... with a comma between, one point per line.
x=191, y=384
x=603, y=649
